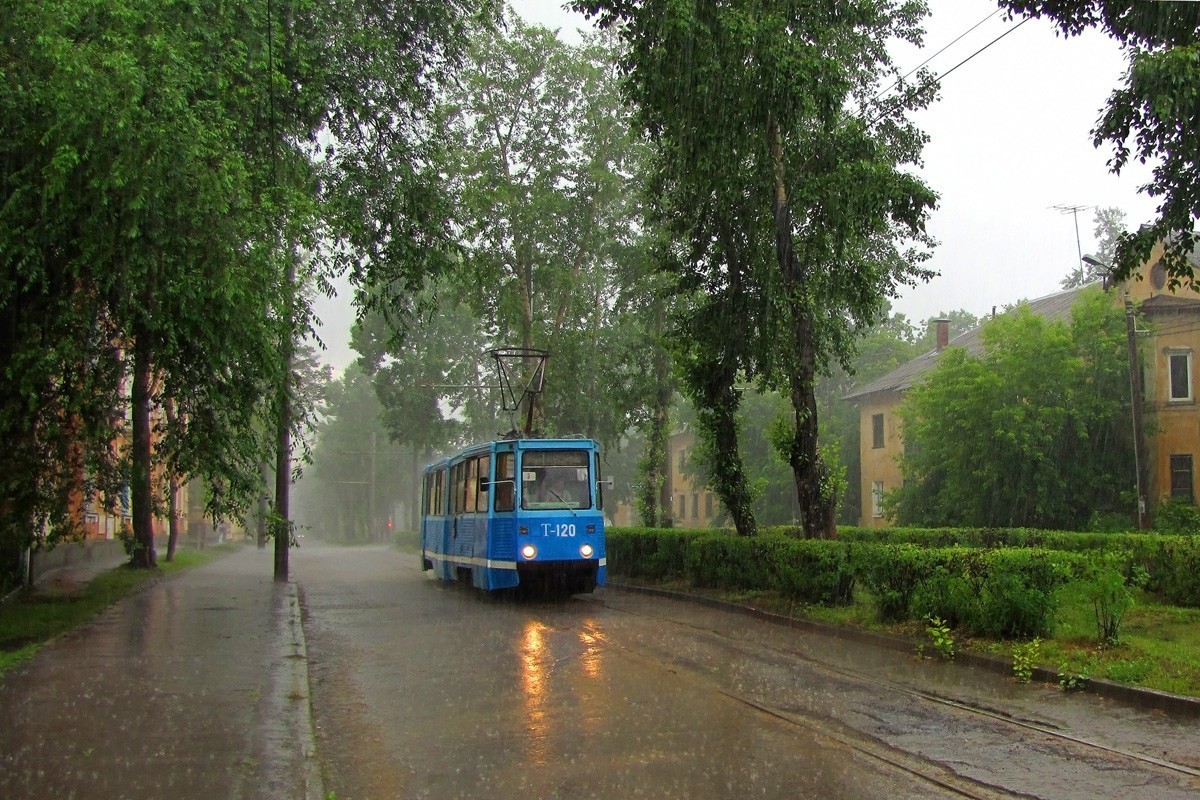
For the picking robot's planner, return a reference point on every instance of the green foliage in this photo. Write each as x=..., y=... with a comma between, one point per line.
x=1177, y=516
x=1039, y=419
x=354, y=455
x=1174, y=570
x=943, y=640
x=783, y=253
x=894, y=574
x=649, y=553
x=1110, y=593
x=544, y=163
x=1025, y=659
x=160, y=181
x=1072, y=681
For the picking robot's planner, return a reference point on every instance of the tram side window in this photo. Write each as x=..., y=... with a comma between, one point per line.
x=599, y=485
x=472, y=487
x=483, y=466
x=439, y=493
x=459, y=483
x=503, y=488
x=427, y=505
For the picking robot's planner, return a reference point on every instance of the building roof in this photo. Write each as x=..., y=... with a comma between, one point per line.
x=1053, y=308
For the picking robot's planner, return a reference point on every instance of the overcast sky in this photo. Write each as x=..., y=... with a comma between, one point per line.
x=1009, y=146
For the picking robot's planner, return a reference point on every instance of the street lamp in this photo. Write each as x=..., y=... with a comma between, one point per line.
x=1135, y=392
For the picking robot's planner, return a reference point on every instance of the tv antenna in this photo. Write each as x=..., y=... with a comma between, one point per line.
x=522, y=374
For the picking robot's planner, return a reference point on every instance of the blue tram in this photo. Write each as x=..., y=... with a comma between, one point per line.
x=519, y=512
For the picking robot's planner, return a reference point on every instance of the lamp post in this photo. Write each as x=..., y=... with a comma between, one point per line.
x=1136, y=396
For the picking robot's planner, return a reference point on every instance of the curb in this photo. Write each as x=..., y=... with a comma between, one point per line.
x=1149, y=699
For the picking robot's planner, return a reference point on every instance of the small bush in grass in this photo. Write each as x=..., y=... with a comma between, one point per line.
x=1025, y=657
x=1111, y=592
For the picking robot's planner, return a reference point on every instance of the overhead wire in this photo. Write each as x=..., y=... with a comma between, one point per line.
x=940, y=78
x=953, y=42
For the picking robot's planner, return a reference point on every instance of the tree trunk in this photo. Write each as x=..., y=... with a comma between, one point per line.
x=172, y=491
x=815, y=499
x=141, y=494
x=720, y=419
x=283, y=446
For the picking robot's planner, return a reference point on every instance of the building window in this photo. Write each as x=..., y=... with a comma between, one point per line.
x=877, y=431
x=683, y=506
x=708, y=505
x=877, y=499
x=1180, y=369
x=1181, y=478
x=695, y=505
x=682, y=459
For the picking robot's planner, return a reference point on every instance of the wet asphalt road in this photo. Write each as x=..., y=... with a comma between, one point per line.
x=422, y=689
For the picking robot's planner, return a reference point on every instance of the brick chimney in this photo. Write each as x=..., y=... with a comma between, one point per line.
x=943, y=333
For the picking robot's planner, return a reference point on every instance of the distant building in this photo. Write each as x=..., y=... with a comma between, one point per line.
x=1168, y=368
x=692, y=504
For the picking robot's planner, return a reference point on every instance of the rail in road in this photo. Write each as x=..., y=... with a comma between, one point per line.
x=953, y=775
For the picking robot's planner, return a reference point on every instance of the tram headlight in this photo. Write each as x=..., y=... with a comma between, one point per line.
x=528, y=551
x=586, y=551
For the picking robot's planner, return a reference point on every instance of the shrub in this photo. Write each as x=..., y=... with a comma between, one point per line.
x=1018, y=592
x=1176, y=516
x=1025, y=657
x=1177, y=573
x=894, y=573
x=813, y=571
x=649, y=553
x=1108, y=581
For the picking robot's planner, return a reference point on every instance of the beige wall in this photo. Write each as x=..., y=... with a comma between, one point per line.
x=879, y=464
x=693, y=505
x=1172, y=424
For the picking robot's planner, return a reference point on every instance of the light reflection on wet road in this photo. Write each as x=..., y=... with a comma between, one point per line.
x=426, y=690
x=422, y=689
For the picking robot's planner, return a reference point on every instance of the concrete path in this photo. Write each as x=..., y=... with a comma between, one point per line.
x=196, y=687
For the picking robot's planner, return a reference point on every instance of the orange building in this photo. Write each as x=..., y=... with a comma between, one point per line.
x=1171, y=319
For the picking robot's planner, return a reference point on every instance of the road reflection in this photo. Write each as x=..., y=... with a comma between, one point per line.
x=551, y=694
x=535, y=663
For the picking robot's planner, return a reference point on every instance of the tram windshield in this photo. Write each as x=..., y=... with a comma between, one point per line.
x=552, y=479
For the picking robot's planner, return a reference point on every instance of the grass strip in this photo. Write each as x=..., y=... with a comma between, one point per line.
x=31, y=619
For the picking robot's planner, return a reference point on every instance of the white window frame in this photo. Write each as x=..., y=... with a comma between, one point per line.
x=877, y=499
x=1189, y=394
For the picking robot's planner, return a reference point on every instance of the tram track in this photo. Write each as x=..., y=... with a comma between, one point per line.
x=932, y=771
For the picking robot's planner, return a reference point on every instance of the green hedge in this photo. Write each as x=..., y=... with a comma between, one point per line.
x=998, y=590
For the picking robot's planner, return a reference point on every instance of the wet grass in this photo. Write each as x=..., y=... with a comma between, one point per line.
x=31, y=619
x=1158, y=646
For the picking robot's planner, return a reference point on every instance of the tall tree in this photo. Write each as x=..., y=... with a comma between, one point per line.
x=163, y=164
x=1150, y=119
x=541, y=161
x=782, y=165
x=1035, y=432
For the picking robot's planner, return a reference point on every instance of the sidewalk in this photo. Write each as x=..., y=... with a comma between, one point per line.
x=196, y=687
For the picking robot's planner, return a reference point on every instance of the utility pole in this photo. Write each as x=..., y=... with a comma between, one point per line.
x=372, y=527
x=1136, y=396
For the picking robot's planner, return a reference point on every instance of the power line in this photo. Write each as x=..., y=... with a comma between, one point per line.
x=955, y=41
x=985, y=47
x=939, y=78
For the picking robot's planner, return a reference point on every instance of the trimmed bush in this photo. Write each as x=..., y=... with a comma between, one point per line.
x=1177, y=574
x=894, y=574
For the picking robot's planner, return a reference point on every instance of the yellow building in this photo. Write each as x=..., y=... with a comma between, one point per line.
x=692, y=504
x=1171, y=338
